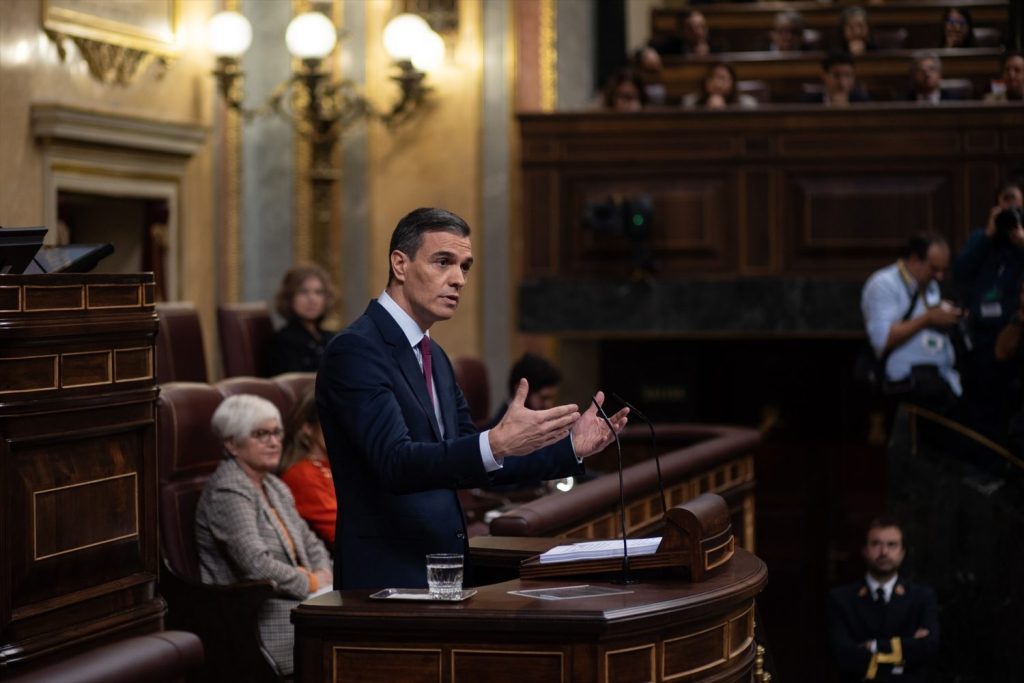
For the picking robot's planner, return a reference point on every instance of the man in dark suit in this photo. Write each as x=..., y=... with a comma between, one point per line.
x=398, y=430
x=883, y=627
x=838, y=83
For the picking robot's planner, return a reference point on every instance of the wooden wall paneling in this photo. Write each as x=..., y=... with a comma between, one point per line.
x=692, y=223
x=778, y=191
x=757, y=220
x=850, y=219
x=78, y=546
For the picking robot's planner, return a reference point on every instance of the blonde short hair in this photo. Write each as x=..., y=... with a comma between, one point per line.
x=238, y=415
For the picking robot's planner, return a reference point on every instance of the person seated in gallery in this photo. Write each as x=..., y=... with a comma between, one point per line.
x=647, y=62
x=694, y=41
x=306, y=470
x=1011, y=87
x=625, y=91
x=926, y=80
x=247, y=527
x=883, y=627
x=839, y=83
x=304, y=299
x=855, y=37
x=787, y=34
x=718, y=90
x=957, y=28
x=543, y=379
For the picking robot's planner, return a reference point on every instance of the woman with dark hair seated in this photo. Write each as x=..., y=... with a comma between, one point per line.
x=718, y=90
x=957, y=28
x=247, y=528
x=304, y=467
x=625, y=90
x=303, y=300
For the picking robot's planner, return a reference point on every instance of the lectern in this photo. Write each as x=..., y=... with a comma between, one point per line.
x=78, y=542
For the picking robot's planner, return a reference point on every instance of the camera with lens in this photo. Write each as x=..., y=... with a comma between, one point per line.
x=1007, y=221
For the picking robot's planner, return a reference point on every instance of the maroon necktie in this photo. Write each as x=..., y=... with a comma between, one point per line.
x=428, y=366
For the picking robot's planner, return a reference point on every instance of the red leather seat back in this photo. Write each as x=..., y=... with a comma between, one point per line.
x=471, y=376
x=179, y=344
x=296, y=384
x=245, y=331
x=187, y=454
x=280, y=396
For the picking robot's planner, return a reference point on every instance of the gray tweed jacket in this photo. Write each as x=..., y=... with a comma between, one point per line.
x=239, y=539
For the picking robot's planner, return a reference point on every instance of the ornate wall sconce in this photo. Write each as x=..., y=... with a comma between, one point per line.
x=319, y=107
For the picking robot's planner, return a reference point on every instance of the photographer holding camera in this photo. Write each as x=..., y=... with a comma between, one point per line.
x=988, y=273
x=907, y=324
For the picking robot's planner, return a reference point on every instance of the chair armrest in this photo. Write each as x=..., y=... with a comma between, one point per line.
x=226, y=620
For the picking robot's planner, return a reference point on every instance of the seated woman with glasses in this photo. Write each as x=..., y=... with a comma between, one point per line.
x=304, y=467
x=247, y=527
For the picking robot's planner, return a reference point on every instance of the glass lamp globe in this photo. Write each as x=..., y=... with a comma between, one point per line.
x=228, y=34
x=429, y=54
x=403, y=34
x=311, y=36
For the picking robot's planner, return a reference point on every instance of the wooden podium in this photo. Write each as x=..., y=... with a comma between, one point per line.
x=78, y=541
x=663, y=630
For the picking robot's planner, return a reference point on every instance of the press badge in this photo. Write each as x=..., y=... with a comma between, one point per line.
x=932, y=343
x=991, y=309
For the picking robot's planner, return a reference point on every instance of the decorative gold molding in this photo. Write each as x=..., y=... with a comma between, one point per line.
x=351, y=648
x=231, y=255
x=651, y=647
x=548, y=58
x=115, y=49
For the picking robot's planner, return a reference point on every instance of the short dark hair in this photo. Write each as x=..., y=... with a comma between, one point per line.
x=919, y=243
x=883, y=522
x=537, y=371
x=292, y=281
x=834, y=58
x=408, y=235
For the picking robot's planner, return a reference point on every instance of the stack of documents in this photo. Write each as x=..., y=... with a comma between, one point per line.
x=590, y=550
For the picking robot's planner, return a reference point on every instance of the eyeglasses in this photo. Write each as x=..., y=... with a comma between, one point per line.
x=265, y=435
x=956, y=22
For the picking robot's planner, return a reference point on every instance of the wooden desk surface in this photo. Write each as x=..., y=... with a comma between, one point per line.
x=661, y=630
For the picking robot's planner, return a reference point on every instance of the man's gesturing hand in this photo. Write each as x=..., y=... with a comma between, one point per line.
x=522, y=431
x=590, y=434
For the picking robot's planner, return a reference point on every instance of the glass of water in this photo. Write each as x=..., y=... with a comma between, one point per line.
x=444, y=576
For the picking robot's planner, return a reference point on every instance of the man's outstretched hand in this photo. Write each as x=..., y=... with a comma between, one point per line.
x=522, y=431
x=590, y=434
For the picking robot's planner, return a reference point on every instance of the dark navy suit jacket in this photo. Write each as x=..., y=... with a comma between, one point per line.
x=396, y=479
x=855, y=618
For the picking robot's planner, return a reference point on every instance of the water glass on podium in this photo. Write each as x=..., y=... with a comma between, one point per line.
x=444, y=576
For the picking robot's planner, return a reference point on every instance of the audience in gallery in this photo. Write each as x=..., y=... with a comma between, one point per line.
x=787, y=34
x=1011, y=88
x=718, y=90
x=839, y=83
x=304, y=299
x=306, y=470
x=855, y=35
x=647, y=62
x=957, y=28
x=247, y=527
x=694, y=40
x=926, y=80
x=988, y=272
x=625, y=91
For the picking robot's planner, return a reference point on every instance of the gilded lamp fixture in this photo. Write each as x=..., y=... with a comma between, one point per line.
x=319, y=107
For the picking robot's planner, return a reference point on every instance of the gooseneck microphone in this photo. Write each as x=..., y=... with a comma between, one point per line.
x=622, y=494
x=633, y=410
